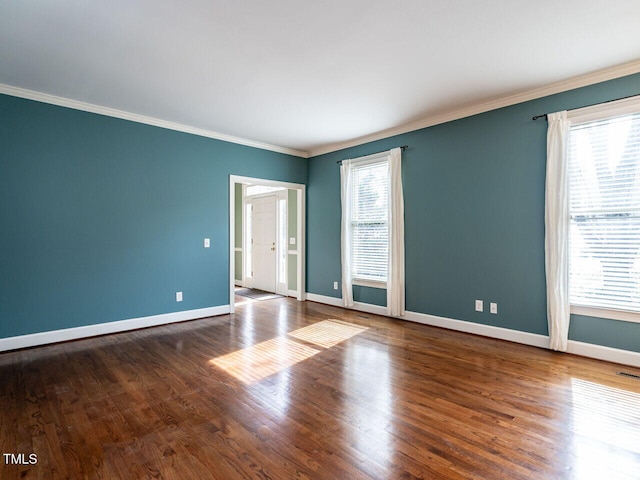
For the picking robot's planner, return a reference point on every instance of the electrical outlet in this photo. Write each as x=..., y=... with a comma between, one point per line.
x=335, y=285
x=178, y=296
x=479, y=306
x=207, y=243
x=493, y=308
x=292, y=240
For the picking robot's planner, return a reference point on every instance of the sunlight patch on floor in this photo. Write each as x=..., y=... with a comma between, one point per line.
x=327, y=333
x=264, y=359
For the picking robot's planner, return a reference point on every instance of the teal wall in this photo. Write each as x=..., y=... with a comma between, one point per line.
x=104, y=219
x=474, y=218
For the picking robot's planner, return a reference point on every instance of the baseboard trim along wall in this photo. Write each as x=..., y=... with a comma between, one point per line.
x=43, y=338
x=598, y=352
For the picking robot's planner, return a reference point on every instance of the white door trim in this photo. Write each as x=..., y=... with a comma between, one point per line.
x=282, y=287
x=301, y=217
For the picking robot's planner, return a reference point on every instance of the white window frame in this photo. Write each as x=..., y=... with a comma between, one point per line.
x=590, y=114
x=365, y=161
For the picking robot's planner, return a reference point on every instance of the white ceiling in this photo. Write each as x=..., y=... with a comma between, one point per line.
x=307, y=75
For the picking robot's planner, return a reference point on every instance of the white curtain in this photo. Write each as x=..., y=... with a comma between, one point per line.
x=345, y=232
x=395, y=273
x=557, y=231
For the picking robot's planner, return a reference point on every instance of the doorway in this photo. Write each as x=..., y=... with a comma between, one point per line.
x=265, y=251
x=267, y=224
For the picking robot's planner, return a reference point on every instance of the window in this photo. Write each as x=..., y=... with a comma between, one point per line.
x=372, y=227
x=604, y=213
x=370, y=222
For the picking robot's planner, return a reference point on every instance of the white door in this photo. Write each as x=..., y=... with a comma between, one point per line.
x=263, y=243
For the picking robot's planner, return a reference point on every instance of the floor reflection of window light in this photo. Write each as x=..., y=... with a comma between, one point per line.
x=606, y=429
x=605, y=413
x=245, y=302
x=259, y=361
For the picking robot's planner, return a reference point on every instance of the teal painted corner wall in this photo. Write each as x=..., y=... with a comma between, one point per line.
x=474, y=218
x=104, y=219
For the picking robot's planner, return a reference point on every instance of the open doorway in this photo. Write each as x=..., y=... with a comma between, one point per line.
x=266, y=237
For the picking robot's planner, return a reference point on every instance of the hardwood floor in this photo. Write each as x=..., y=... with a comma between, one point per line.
x=285, y=390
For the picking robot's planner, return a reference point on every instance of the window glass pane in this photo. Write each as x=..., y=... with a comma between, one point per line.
x=369, y=222
x=604, y=172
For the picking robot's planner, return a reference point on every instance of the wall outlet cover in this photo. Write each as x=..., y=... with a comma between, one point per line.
x=479, y=306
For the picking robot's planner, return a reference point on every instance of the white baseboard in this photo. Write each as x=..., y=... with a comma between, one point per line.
x=314, y=297
x=615, y=355
x=42, y=338
x=337, y=302
x=599, y=352
x=517, y=336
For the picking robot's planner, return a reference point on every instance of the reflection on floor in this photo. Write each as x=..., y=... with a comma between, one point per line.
x=602, y=440
x=254, y=295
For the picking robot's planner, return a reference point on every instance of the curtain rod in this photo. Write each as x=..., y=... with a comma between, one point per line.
x=403, y=148
x=544, y=115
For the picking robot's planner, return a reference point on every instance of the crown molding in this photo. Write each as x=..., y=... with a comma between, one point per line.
x=134, y=117
x=558, y=87
x=552, y=89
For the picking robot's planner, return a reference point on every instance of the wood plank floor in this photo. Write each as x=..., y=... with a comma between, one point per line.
x=288, y=390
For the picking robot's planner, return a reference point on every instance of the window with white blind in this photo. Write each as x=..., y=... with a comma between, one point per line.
x=604, y=212
x=370, y=222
